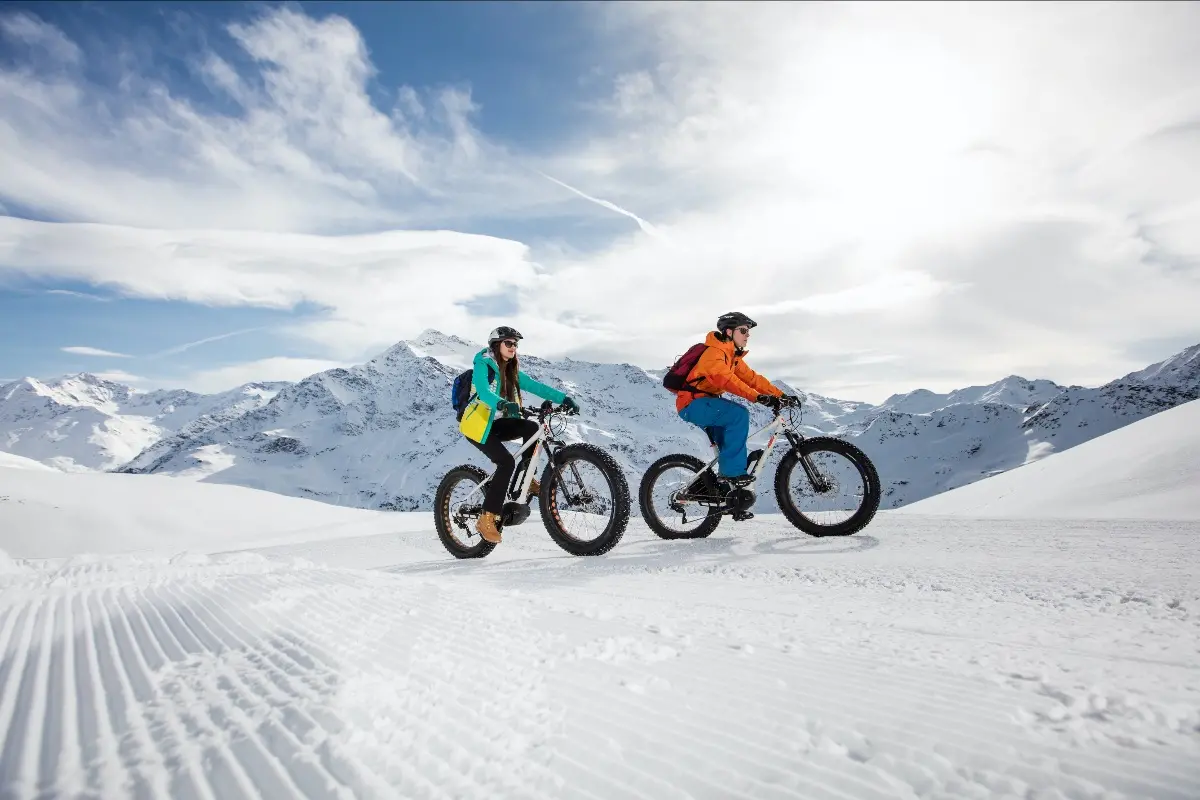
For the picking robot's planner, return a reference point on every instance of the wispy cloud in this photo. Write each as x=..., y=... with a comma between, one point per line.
x=81, y=295
x=643, y=224
x=121, y=376
x=303, y=149
x=93, y=351
x=31, y=31
x=372, y=289
x=896, y=289
x=189, y=345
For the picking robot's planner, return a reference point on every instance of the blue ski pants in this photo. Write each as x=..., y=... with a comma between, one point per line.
x=728, y=424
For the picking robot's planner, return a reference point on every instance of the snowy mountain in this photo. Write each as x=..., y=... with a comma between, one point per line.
x=991, y=429
x=1078, y=414
x=1011, y=391
x=82, y=422
x=381, y=434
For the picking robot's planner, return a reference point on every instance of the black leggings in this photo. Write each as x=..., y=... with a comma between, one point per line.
x=503, y=430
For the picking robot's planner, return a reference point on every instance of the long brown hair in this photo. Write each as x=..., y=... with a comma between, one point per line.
x=509, y=387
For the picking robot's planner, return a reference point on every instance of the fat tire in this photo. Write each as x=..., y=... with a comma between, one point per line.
x=646, y=490
x=612, y=471
x=441, y=513
x=866, y=469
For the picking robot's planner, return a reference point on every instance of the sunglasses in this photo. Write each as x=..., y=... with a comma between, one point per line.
x=743, y=330
x=509, y=343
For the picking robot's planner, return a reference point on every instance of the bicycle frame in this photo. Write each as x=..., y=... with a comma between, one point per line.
x=536, y=442
x=776, y=426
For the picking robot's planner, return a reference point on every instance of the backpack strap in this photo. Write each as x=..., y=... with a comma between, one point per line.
x=689, y=386
x=490, y=378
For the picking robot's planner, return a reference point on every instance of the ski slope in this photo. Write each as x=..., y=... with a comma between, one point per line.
x=191, y=640
x=1149, y=469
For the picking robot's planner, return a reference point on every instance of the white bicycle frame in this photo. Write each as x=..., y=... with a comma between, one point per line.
x=774, y=426
x=535, y=442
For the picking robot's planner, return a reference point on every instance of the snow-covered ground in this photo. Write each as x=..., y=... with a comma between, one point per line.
x=232, y=643
x=1147, y=470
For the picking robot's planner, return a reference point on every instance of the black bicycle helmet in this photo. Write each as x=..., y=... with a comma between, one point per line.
x=503, y=332
x=734, y=319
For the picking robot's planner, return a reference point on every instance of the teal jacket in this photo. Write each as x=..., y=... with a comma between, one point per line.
x=487, y=389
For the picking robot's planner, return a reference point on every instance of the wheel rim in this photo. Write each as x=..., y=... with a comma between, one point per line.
x=678, y=517
x=838, y=500
x=583, y=501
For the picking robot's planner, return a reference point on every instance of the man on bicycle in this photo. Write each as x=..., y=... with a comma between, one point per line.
x=722, y=368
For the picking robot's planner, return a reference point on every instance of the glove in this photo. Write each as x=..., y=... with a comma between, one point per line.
x=770, y=401
x=790, y=400
x=508, y=408
x=570, y=405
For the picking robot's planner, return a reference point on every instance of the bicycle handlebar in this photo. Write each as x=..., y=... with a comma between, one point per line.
x=544, y=410
x=787, y=404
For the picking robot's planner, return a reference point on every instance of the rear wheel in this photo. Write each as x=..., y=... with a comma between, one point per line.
x=455, y=513
x=838, y=497
x=671, y=512
x=584, y=500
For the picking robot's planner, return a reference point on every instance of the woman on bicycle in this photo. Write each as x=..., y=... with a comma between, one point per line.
x=500, y=389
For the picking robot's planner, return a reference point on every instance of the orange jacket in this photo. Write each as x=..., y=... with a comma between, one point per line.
x=724, y=370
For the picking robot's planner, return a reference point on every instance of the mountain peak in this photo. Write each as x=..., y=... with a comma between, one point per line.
x=446, y=348
x=431, y=337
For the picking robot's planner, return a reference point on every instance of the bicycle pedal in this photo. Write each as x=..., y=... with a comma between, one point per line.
x=742, y=516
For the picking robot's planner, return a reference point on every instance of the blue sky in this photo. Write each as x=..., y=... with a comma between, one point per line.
x=904, y=196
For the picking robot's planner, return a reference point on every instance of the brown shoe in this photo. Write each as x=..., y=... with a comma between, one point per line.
x=534, y=487
x=486, y=527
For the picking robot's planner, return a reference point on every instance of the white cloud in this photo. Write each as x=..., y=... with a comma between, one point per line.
x=641, y=223
x=907, y=194
x=80, y=295
x=33, y=32
x=121, y=376
x=177, y=349
x=975, y=189
x=278, y=368
x=93, y=351
x=304, y=150
x=374, y=288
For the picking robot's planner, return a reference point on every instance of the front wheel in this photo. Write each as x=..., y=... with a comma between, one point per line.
x=665, y=499
x=584, y=500
x=827, y=487
x=456, y=507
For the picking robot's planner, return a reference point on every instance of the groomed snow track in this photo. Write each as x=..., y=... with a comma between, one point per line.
x=242, y=677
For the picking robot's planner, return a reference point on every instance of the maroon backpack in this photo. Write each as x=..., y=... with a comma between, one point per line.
x=676, y=378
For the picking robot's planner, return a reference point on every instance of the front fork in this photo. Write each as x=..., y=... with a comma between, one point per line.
x=583, y=497
x=817, y=480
